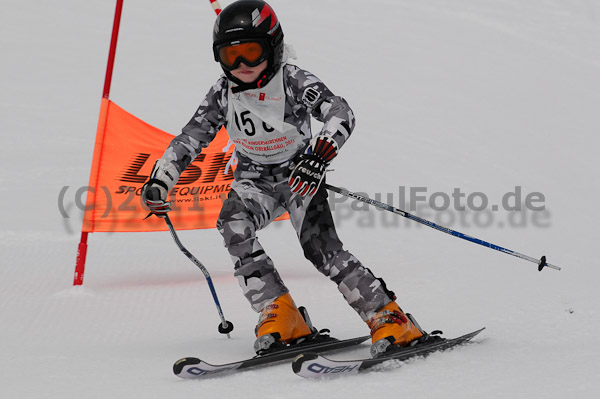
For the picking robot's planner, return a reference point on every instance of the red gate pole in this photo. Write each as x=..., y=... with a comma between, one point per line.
x=216, y=6
x=113, y=49
x=82, y=248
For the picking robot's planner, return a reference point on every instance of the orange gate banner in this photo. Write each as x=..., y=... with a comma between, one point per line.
x=124, y=154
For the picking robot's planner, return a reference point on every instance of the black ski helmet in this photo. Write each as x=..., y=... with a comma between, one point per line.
x=250, y=20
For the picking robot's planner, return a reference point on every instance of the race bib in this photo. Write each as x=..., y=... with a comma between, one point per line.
x=255, y=123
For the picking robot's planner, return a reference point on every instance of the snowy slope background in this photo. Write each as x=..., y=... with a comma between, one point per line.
x=478, y=95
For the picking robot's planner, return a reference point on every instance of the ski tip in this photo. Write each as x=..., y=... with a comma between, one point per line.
x=181, y=363
x=474, y=334
x=301, y=358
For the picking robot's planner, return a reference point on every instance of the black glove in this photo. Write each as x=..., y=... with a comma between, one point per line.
x=154, y=193
x=310, y=170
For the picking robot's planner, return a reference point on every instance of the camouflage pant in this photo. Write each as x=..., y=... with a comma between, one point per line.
x=255, y=202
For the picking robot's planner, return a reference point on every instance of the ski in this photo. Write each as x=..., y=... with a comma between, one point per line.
x=194, y=368
x=312, y=365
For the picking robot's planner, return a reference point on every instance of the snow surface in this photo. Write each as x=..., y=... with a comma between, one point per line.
x=481, y=95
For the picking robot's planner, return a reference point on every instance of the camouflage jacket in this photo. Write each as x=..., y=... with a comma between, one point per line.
x=305, y=95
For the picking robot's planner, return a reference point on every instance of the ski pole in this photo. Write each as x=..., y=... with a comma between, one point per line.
x=540, y=262
x=226, y=326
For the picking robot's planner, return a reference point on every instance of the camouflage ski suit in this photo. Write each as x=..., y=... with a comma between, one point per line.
x=260, y=193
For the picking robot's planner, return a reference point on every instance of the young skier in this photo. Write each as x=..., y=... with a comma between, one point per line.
x=265, y=105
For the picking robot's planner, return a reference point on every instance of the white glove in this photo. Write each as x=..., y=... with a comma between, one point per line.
x=163, y=178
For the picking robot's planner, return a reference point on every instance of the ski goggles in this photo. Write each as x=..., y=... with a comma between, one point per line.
x=250, y=53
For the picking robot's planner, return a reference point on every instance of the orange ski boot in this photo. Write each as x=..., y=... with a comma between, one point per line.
x=390, y=326
x=280, y=322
